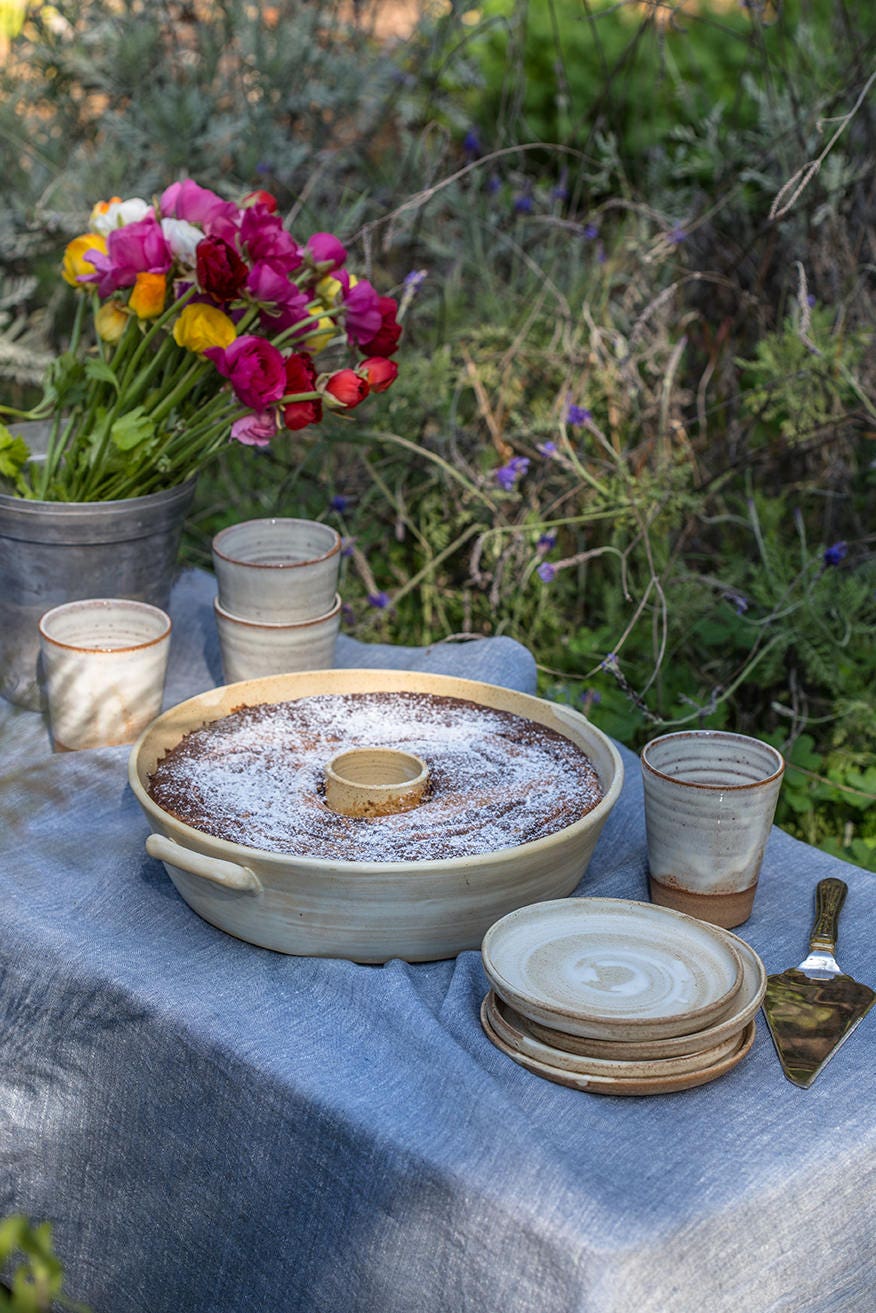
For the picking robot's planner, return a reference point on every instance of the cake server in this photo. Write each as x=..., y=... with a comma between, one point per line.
x=813, y=1008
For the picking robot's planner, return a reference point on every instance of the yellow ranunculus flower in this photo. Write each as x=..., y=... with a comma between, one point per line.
x=147, y=297
x=110, y=321
x=203, y=326
x=75, y=262
x=329, y=289
x=321, y=332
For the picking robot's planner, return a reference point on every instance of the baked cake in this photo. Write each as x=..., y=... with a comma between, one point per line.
x=496, y=780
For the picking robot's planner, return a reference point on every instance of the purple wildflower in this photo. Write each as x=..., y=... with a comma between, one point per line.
x=677, y=235
x=591, y=231
x=507, y=475
x=416, y=278
x=561, y=191
x=591, y=697
x=523, y=204
x=347, y=613
x=380, y=600
x=810, y=300
x=737, y=601
x=546, y=572
x=347, y=545
x=494, y=184
x=546, y=543
x=578, y=415
x=339, y=503
x=609, y=662
x=547, y=449
x=471, y=143
x=264, y=167
x=835, y=553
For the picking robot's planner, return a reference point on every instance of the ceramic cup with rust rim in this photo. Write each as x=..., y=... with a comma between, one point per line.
x=252, y=648
x=104, y=661
x=710, y=798
x=372, y=782
x=279, y=571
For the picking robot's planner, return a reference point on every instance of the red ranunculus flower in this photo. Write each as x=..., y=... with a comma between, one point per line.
x=255, y=369
x=347, y=388
x=260, y=198
x=386, y=339
x=380, y=372
x=301, y=377
x=221, y=272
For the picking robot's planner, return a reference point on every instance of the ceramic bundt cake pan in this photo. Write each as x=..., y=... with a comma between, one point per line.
x=366, y=911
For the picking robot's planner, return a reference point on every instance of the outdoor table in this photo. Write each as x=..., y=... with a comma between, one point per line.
x=213, y=1127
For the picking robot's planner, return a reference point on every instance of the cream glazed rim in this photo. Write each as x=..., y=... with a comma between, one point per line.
x=278, y=565
x=171, y=726
x=624, y=1085
x=716, y=735
x=746, y=1004
x=612, y=968
x=516, y=1035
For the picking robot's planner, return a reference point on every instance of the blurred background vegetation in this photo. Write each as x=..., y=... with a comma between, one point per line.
x=634, y=244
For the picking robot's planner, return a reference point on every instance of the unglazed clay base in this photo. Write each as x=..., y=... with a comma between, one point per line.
x=726, y=910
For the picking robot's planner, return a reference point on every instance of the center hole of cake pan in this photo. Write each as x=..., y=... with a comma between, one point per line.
x=374, y=782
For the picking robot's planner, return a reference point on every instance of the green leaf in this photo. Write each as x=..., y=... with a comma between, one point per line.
x=132, y=430
x=100, y=371
x=14, y=454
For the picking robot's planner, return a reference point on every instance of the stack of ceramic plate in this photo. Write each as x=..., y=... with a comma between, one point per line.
x=619, y=997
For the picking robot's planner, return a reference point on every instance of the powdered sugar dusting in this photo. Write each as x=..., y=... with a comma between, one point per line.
x=497, y=780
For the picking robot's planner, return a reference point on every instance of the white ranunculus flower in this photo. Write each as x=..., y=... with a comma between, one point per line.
x=108, y=215
x=182, y=238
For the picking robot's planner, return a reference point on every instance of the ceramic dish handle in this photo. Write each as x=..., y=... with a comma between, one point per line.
x=227, y=874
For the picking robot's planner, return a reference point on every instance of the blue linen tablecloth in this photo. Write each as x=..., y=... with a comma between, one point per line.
x=212, y=1127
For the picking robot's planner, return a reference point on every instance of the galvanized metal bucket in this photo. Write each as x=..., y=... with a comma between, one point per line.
x=53, y=552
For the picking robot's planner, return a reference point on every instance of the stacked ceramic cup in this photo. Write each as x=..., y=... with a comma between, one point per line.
x=278, y=609
x=619, y=997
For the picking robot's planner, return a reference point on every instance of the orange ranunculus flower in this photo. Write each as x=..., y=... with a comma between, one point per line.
x=110, y=321
x=147, y=297
x=75, y=263
x=201, y=326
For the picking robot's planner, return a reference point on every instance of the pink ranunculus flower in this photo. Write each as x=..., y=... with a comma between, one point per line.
x=325, y=252
x=137, y=248
x=255, y=430
x=265, y=240
x=362, y=311
x=283, y=304
x=187, y=200
x=255, y=369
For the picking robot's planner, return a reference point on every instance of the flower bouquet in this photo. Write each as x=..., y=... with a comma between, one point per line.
x=198, y=321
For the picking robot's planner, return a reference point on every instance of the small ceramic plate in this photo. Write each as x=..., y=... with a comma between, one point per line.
x=624, y=1085
x=745, y=1005
x=500, y=1018
x=611, y=968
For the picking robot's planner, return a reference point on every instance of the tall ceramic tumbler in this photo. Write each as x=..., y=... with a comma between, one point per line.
x=710, y=799
x=104, y=661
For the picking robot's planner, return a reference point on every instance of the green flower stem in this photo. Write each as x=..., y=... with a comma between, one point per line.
x=179, y=390
x=149, y=337
x=282, y=339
